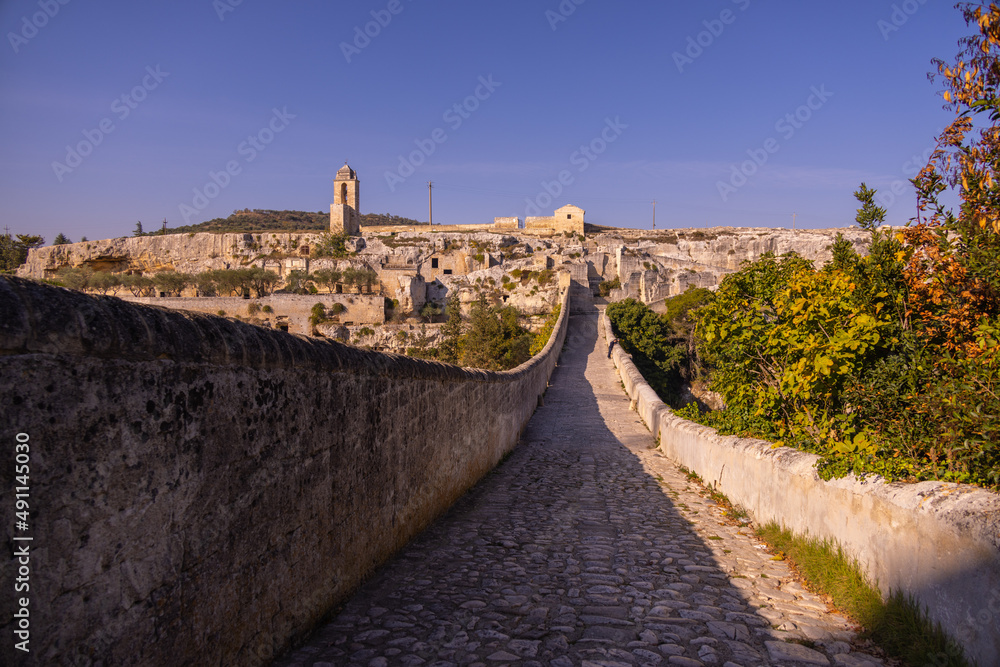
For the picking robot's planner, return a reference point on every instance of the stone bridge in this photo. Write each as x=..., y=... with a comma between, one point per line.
x=207, y=492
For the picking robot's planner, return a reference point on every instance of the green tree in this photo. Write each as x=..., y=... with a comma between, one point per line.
x=105, y=281
x=171, y=283
x=297, y=282
x=61, y=239
x=138, y=229
x=328, y=278
x=228, y=282
x=14, y=249
x=205, y=283
x=349, y=277
x=368, y=278
x=495, y=339
x=662, y=346
x=450, y=348
x=262, y=281
x=844, y=256
x=139, y=285
x=75, y=278
x=429, y=311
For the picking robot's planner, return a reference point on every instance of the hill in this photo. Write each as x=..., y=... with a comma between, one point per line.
x=265, y=220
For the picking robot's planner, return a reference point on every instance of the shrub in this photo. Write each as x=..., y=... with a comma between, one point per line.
x=541, y=339
x=317, y=314
x=607, y=285
x=330, y=245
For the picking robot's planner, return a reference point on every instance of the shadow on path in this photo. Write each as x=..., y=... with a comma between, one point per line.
x=569, y=552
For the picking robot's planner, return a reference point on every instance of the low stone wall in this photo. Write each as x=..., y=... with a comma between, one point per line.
x=203, y=491
x=935, y=541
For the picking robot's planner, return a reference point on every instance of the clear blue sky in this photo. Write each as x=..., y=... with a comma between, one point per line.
x=160, y=95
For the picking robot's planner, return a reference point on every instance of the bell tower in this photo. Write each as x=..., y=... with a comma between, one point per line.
x=345, y=216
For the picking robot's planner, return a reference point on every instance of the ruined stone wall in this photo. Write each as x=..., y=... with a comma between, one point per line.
x=935, y=541
x=202, y=491
x=507, y=224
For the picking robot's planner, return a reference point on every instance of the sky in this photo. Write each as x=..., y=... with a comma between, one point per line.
x=725, y=112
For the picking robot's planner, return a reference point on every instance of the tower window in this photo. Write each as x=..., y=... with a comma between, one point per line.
x=447, y=272
x=434, y=263
x=569, y=216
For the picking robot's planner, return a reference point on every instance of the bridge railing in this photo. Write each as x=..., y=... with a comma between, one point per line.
x=936, y=541
x=203, y=491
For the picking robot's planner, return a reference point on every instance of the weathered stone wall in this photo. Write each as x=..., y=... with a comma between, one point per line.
x=935, y=541
x=202, y=491
x=293, y=310
x=507, y=224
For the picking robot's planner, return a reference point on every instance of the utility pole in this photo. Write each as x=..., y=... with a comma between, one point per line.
x=654, y=214
x=430, y=202
x=793, y=221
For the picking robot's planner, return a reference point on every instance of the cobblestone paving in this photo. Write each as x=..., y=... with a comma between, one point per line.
x=585, y=547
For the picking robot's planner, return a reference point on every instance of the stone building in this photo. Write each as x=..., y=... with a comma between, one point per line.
x=345, y=212
x=569, y=218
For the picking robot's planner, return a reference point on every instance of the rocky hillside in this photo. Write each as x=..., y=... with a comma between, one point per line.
x=647, y=265
x=265, y=220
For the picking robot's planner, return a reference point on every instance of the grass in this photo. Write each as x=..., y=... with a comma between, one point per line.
x=897, y=624
x=730, y=511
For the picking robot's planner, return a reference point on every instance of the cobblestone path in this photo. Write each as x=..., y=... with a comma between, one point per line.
x=585, y=547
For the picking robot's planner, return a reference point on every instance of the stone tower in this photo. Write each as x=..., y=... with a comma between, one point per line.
x=345, y=216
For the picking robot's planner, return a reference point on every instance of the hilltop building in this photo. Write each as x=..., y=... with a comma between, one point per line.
x=345, y=212
x=569, y=218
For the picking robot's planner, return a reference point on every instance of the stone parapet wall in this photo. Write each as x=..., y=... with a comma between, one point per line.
x=935, y=541
x=203, y=491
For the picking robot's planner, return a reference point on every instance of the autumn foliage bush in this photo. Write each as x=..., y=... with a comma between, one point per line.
x=887, y=363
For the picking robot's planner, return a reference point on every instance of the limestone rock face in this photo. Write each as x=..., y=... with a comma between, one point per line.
x=187, y=253
x=652, y=266
x=416, y=267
